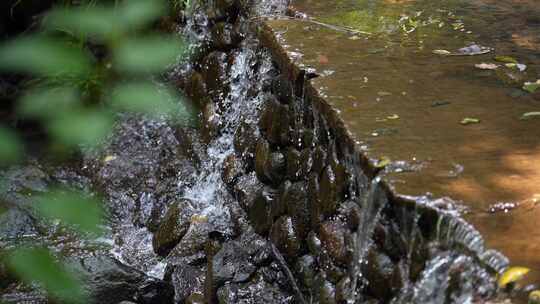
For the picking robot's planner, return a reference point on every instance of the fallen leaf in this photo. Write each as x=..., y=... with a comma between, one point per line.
x=511, y=275
x=530, y=115
x=383, y=162
x=393, y=117
x=469, y=121
x=486, y=66
x=505, y=59
x=531, y=87
x=442, y=52
x=322, y=59
x=439, y=103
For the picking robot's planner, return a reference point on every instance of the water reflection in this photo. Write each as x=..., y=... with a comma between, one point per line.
x=393, y=72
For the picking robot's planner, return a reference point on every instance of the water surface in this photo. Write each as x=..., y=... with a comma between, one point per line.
x=404, y=103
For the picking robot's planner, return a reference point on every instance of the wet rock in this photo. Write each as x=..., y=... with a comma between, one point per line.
x=15, y=223
x=388, y=237
x=245, y=143
x=224, y=36
x=295, y=199
x=274, y=274
x=316, y=207
x=223, y=10
x=214, y=72
x=341, y=176
x=232, y=264
x=187, y=280
x=189, y=145
x=108, y=281
x=314, y=243
x=196, y=89
x=293, y=164
x=379, y=271
x=18, y=296
x=279, y=130
x=308, y=138
x=305, y=268
x=232, y=169
x=351, y=214
x=344, y=292
x=211, y=122
x=192, y=244
x=286, y=239
x=246, y=190
x=419, y=256
x=139, y=168
x=280, y=206
x=325, y=291
x=332, y=234
x=269, y=166
x=172, y=229
x=306, y=161
x=328, y=191
x=275, y=121
x=253, y=292
x=270, y=108
x=319, y=160
x=195, y=298
x=26, y=179
x=282, y=88
x=259, y=213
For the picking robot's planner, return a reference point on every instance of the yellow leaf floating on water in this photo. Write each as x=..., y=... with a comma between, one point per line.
x=534, y=297
x=469, y=121
x=505, y=59
x=383, y=162
x=512, y=274
x=393, y=117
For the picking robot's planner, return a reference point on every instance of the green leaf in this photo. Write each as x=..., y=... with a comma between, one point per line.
x=531, y=87
x=81, y=127
x=10, y=146
x=48, y=102
x=38, y=265
x=505, y=59
x=43, y=56
x=72, y=208
x=96, y=21
x=147, y=55
x=143, y=97
x=530, y=115
x=138, y=13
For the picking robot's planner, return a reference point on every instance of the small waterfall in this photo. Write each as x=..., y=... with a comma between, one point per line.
x=209, y=192
x=373, y=204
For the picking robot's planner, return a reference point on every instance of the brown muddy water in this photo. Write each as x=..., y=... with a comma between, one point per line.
x=407, y=105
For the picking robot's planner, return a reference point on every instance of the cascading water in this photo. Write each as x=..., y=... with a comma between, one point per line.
x=247, y=69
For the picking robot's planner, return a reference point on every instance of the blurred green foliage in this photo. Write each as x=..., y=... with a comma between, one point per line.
x=38, y=265
x=87, y=62
x=80, y=212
